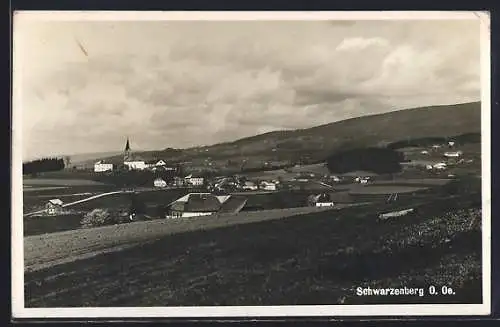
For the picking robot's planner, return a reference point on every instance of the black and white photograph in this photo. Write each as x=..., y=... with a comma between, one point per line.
x=247, y=164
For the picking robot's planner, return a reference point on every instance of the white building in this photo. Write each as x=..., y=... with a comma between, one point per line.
x=250, y=186
x=454, y=154
x=196, y=204
x=268, y=186
x=136, y=165
x=54, y=206
x=194, y=180
x=159, y=183
x=440, y=166
x=362, y=179
x=100, y=167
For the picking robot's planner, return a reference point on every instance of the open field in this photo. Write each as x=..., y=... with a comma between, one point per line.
x=420, y=181
x=58, y=181
x=386, y=189
x=315, y=258
x=50, y=249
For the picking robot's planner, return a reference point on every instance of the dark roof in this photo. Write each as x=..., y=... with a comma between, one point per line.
x=198, y=203
x=233, y=205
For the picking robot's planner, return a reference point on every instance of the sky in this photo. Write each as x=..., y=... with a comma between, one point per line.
x=84, y=86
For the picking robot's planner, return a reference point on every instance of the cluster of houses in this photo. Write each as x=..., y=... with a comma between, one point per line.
x=103, y=166
x=132, y=162
x=189, y=180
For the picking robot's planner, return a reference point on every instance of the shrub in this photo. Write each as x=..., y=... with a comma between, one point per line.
x=97, y=217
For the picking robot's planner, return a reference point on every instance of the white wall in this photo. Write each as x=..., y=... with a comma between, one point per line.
x=103, y=167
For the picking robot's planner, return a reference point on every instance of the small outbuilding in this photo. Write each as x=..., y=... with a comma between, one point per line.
x=54, y=206
x=159, y=182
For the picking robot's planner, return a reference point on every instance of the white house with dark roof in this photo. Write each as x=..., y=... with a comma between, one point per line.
x=202, y=204
x=194, y=180
x=54, y=206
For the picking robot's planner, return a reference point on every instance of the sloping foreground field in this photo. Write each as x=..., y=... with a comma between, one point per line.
x=316, y=258
x=41, y=251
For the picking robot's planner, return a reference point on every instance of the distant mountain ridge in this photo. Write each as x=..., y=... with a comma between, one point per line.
x=320, y=141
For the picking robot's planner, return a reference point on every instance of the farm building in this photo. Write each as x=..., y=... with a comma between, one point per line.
x=439, y=166
x=159, y=182
x=200, y=204
x=335, y=179
x=362, y=179
x=250, y=186
x=454, y=154
x=320, y=200
x=101, y=166
x=158, y=165
x=268, y=186
x=194, y=180
x=54, y=206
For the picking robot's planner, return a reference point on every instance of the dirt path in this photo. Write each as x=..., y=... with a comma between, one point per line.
x=43, y=251
x=79, y=201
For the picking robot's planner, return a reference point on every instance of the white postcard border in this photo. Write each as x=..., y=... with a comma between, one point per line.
x=18, y=309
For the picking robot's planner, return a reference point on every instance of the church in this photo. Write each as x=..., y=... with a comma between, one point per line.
x=132, y=161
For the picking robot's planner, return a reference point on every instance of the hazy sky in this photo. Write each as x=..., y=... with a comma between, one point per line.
x=180, y=84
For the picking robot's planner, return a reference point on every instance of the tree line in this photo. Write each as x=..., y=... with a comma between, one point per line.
x=43, y=165
x=377, y=160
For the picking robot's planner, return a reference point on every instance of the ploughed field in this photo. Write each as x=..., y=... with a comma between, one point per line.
x=310, y=258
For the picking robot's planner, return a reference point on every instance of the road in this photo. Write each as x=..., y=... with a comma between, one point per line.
x=80, y=201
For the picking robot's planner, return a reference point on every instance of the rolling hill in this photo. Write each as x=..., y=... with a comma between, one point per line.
x=320, y=141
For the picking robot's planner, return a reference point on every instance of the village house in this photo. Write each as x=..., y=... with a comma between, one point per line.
x=54, y=206
x=101, y=166
x=267, y=186
x=362, y=179
x=454, y=154
x=158, y=165
x=196, y=204
x=329, y=199
x=249, y=186
x=320, y=200
x=440, y=166
x=159, y=182
x=194, y=180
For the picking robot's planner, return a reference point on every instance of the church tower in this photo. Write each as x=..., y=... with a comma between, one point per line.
x=127, y=152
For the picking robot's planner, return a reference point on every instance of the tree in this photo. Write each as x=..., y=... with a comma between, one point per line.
x=377, y=160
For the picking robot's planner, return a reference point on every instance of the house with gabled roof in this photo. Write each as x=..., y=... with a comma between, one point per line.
x=197, y=204
x=54, y=206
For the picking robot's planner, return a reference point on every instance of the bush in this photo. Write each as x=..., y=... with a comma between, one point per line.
x=97, y=217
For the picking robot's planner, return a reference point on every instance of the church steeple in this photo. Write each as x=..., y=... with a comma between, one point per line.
x=126, y=153
x=127, y=146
